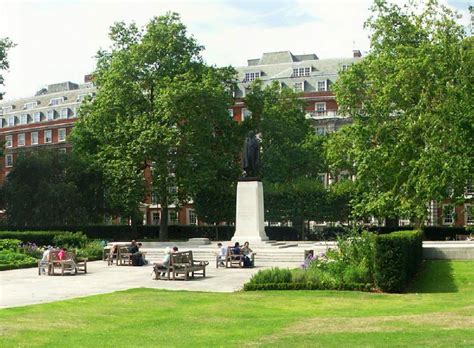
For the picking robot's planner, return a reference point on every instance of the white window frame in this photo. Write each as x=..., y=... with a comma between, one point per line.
x=173, y=213
x=8, y=140
x=231, y=112
x=11, y=121
x=9, y=160
x=37, y=117
x=21, y=136
x=24, y=119
x=320, y=89
x=302, y=71
x=299, y=86
x=56, y=101
x=468, y=218
x=64, y=110
x=30, y=105
x=2, y=122
x=50, y=115
x=62, y=150
x=34, y=136
x=155, y=217
x=318, y=108
x=192, y=217
x=46, y=138
x=448, y=220
x=246, y=113
x=321, y=131
x=6, y=109
x=322, y=177
x=60, y=138
x=252, y=76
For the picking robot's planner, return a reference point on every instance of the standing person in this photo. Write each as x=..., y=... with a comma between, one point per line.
x=222, y=254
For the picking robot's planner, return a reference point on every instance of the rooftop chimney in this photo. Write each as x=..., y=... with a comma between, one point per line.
x=356, y=53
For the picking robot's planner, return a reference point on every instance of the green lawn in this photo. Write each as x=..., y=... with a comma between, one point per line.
x=438, y=311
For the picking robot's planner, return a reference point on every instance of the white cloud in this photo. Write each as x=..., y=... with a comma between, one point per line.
x=56, y=40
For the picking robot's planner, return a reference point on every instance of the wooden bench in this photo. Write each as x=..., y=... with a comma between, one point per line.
x=70, y=264
x=182, y=263
x=235, y=260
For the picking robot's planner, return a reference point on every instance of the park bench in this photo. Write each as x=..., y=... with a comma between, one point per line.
x=125, y=258
x=71, y=264
x=182, y=263
x=236, y=260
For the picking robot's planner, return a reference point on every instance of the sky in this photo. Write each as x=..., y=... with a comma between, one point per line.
x=58, y=39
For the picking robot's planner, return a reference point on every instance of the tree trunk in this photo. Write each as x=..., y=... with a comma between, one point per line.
x=164, y=223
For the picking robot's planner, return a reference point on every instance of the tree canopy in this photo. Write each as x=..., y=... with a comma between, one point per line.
x=5, y=45
x=159, y=111
x=47, y=188
x=412, y=104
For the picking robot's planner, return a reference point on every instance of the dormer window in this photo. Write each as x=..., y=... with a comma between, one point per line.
x=80, y=98
x=299, y=86
x=24, y=119
x=11, y=120
x=64, y=113
x=252, y=76
x=345, y=67
x=50, y=115
x=322, y=86
x=303, y=71
x=30, y=105
x=56, y=101
x=37, y=117
x=8, y=108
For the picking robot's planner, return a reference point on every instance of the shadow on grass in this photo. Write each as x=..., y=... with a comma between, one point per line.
x=434, y=277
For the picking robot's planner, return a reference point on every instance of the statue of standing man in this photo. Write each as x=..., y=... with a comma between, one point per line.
x=251, y=155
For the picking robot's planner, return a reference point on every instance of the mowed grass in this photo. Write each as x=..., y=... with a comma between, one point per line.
x=438, y=311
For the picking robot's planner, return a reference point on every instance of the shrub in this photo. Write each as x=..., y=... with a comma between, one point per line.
x=9, y=244
x=397, y=258
x=328, y=233
x=11, y=260
x=273, y=275
x=38, y=237
x=70, y=239
x=442, y=233
x=92, y=250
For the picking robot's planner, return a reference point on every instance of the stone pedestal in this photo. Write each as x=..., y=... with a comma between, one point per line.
x=249, y=218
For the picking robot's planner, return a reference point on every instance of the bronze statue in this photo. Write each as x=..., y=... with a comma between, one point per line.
x=251, y=155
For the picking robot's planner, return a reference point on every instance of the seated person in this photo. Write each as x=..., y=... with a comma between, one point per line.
x=62, y=255
x=247, y=252
x=137, y=256
x=165, y=263
x=133, y=248
x=236, y=249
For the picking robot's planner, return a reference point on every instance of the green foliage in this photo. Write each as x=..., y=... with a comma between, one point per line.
x=159, y=111
x=91, y=250
x=70, y=239
x=411, y=100
x=5, y=45
x=38, y=237
x=9, y=244
x=397, y=258
x=273, y=275
x=11, y=259
x=45, y=187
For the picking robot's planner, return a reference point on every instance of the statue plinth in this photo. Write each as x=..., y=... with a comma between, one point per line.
x=249, y=220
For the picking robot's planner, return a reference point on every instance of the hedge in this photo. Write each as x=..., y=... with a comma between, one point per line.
x=442, y=233
x=40, y=235
x=18, y=266
x=398, y=256
x=307, y=286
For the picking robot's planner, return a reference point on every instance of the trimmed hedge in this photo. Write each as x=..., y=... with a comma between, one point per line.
x=18, y=266
x=442, y=233
x=398, y=256
x=41, y=235
x=307, y=286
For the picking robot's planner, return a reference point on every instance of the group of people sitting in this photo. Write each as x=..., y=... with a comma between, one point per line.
x=236, y=250
x=134, y=249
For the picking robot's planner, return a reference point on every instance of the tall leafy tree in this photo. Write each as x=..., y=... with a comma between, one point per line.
x=159, y=111
x=5, y=45
x=46, y=188
x=412, y=104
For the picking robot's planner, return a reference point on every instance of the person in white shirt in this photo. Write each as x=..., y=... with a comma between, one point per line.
x=222, y=254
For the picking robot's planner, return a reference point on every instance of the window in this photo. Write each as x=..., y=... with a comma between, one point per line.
x=9, y=141
x=344, y=177
x=172, y=217
x=322, y=86
x=469, y=191
x=50, y=115
x=30, y=105
x=448, y=214
x=56, y=101
x=24, y=119
x=62, y=134
x=80, y=98
x=320, y=130
x=62, y=150
x=469, y=214
x=299, y=86
x=8, y=108
x=192, y=217
x=173, y=190
x=11, y=121
x=8, y=160
x=251, y=76
x=246, y=113
x=48, y=136
x=2, y=122
x=155, y=218
x=34, y=138
x=64, y=113
x=322, y=178
x=320, y=107
x=21, y=139
x=305, y=71
x=345, y=67
x=37, y=117
x=231, y=112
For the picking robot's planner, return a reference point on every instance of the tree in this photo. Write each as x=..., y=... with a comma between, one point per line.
x=159, y=111
x=5, y=45
x=46, y=188
x=413, y=112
